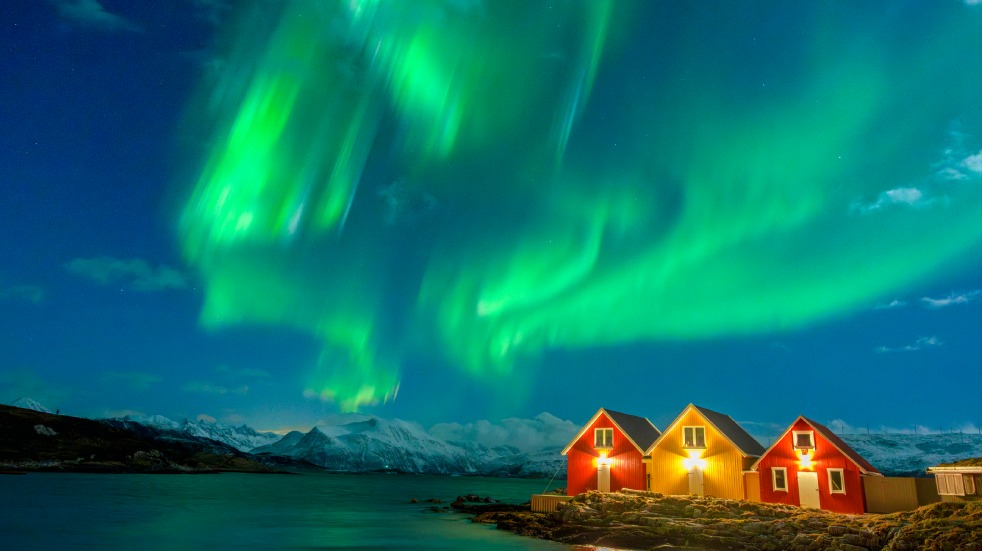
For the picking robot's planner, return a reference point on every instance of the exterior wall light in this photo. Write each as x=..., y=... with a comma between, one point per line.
x=694, y=460
x=805, y=461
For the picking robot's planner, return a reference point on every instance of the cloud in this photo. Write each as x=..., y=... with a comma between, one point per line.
x=209, y=388
x=30, y=293
x=895, y=303
x=91, y=14
x=244, y=373
x=954, y=298
x=137, y=273
x=910, y=196
x=135, y=379
x=922, y=343
x=543, y=431
x=230, y=417
x=974, y=162
x=973, y=2
x=206, y=418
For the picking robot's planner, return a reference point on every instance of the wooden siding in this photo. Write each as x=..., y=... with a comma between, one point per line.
x=927, y=491
x=626, y=469
x=751, y=486
x=890, y=494
x=723, y=475
x=547, y=503
x=825, y=456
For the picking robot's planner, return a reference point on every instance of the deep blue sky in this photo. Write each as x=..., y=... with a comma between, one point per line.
x=777, y=207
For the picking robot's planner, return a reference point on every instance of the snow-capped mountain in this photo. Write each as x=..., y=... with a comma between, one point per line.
x=373, y=444
x=911, y=454
x=378, y=444
x=360, y=443
x=30, y=403
x=242, y=438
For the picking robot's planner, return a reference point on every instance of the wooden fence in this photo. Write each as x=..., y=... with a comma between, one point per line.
x=891, y=494
x=547, y=503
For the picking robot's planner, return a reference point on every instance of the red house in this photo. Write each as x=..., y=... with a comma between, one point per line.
x=810, y=466
x=606, y=454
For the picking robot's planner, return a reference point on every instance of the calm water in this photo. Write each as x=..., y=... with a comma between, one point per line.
x=311, y=511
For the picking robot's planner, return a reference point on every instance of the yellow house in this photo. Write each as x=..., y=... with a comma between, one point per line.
x=702, y=453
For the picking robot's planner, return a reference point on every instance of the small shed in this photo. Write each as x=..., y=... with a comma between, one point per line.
x=810, y=466
x=960, y=480
x=702, y=452
x=607, y=453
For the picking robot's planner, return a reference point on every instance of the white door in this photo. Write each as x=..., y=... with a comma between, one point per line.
x=695, y=481
x=603, y=478
x=808, y=490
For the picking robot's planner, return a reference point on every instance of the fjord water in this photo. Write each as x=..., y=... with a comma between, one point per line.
x=226, y=511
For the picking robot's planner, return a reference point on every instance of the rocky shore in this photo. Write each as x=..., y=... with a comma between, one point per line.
x=642, y=520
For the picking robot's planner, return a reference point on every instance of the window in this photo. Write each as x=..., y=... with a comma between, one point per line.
x=803, y=439
x=693, y=437
x=837, y=481
x=951, y=484
x=969, y=482
x=603, y=438
x=779, y=479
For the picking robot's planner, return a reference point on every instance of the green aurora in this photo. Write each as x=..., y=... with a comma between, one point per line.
x=481, y=182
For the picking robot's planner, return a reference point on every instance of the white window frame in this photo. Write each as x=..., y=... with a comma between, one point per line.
x=774, y=471
x=968, y=481
x=603, y=443
x=794, y=439
x=842, y=480
x=950, y=484
x=696, y=429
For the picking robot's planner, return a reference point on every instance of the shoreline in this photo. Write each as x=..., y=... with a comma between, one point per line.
x=644, y=520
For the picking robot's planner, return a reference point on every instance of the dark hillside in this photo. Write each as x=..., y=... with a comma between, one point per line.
x=35, y=441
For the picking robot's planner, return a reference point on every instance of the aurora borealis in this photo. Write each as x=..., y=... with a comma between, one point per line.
x=384, y=204
x=740, y=201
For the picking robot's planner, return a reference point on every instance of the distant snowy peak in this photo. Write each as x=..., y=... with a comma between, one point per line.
x=242, y=438
x=392, y=444
x=281, y=446
x=30, y=403
x=154, y=421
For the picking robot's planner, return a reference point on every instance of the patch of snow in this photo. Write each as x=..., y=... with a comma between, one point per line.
x=45, y=431
x=30, y=403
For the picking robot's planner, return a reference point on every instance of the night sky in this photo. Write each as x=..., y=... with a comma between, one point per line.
x=274, y=212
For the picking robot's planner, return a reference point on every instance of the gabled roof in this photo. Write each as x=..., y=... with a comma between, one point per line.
x=972, y=465
x=725, y=425
x=638, y=430
x=864, y=466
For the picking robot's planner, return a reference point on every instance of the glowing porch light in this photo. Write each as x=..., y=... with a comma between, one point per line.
x=694, y=460
x=603, y=460
x=805, y=461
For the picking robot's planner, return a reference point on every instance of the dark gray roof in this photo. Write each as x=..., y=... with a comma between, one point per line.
x=740, y=438
x=637, y=428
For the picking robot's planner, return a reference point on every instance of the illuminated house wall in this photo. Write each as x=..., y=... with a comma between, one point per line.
x=829, y=453
x=626, y=467
x=722, y=460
